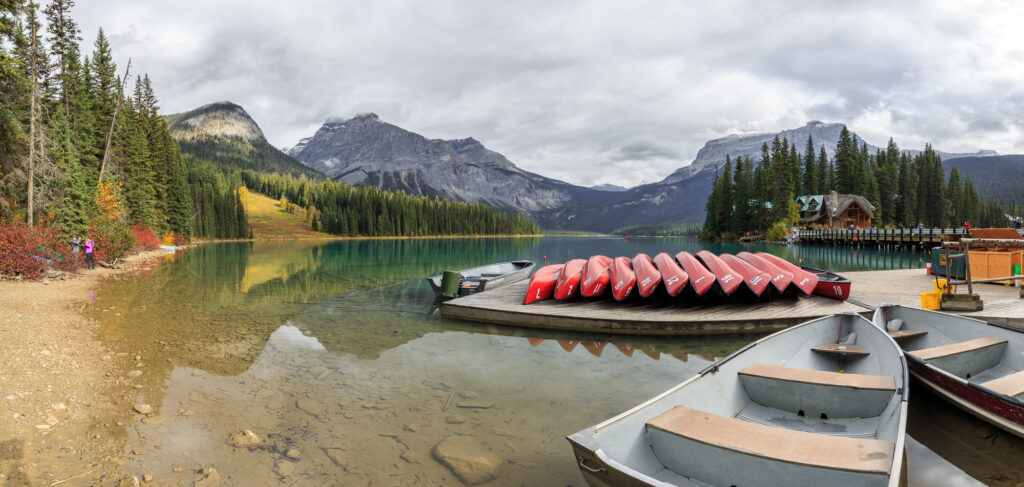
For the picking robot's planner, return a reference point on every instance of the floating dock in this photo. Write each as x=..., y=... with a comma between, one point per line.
x=505, y=306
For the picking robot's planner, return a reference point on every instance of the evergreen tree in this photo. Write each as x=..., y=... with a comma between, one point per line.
x=824, y=178
x=75, y=201
x=956, y=205
x=845, y=161
x=64, y=38
x=810, y=184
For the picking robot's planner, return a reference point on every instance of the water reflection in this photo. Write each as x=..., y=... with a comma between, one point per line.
x=330, y=349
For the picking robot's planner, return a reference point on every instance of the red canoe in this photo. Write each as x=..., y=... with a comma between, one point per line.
x=756, y=280
x=802, y=279
x=830, y=284
x=701, y=279
x=568, y=285
x=542, y=283
x=596, y=276
x=623, y=278
x=674, y=277
x=727, y=278
x=647, y=275
x=781, y=278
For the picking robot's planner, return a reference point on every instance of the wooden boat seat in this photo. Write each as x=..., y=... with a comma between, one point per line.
x=898, y=334
x=964, y=359
x=956, y=348
x=817, y=393
x=1011, y=385
x=842, y=349
x=769, y=442
x=822, y=377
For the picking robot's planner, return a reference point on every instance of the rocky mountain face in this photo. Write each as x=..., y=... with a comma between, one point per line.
x=365, y=150
x=681, y=196
x=223, y=133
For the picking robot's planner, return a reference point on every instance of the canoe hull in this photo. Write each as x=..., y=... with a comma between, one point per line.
x=701, y=279
x=568, y=285
x=830, y=285
x=755, y=280
x=596, y=277
x=728, y=280
x=781, y=278
x=542, y=284
x=647, y=275
x=623, y=278
x=987, y=407
x=804, y=281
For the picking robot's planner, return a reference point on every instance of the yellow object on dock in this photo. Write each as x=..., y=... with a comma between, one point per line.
x=939, y=286
x=930, y=300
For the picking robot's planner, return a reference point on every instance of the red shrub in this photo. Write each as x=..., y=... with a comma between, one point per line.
x=112, y=239
x=30, y=252
x=144, y=238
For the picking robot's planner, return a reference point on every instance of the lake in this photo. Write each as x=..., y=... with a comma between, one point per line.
x=334, y=355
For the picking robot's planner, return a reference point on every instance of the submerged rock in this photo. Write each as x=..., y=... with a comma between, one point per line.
x=309, y=406
x=143, y=408
x=210, y=478
x=284, y=468
x=337, y=455
x=468, y=459
x=245, y=439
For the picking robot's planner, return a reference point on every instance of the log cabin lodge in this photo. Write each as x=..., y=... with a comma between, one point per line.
x=835, y=210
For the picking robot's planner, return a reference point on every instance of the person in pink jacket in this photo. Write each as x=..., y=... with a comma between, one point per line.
x=90, y=255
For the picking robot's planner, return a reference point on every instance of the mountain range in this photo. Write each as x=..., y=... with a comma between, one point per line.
x=365, y=150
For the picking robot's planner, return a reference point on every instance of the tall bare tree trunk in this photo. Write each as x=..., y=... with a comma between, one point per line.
x=113, y=120
x=32, y=127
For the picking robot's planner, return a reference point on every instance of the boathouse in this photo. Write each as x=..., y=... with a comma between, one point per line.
x=835, y=210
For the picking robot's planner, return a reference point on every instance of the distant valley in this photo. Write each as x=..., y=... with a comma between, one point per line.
x=365, y=150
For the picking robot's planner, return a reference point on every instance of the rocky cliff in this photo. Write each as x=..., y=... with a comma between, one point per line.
x=365, y=150
x=223, y=133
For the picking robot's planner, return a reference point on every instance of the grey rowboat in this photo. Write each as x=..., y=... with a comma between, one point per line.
x=975, y=365
x=821, y=403
x=482, y=278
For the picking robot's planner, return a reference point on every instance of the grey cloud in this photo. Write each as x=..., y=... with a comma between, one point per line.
x=631, y=89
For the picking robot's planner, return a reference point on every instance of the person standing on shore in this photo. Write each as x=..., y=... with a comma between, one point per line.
x=90, y=256
x=76, y=244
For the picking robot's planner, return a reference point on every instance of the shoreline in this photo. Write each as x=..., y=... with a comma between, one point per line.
x=57, y=377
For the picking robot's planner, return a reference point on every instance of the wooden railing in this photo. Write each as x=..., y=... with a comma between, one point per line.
x=896, y=236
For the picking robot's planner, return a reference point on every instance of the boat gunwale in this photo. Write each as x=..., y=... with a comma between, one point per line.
x=969, y=406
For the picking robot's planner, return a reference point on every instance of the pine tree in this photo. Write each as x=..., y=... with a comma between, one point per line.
x=821, y=173
x=810, y=177
x=845, y=160
x=64, y=38
x=75, y=200
x=956, y=204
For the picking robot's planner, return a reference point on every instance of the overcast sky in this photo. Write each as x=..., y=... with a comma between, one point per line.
x=588, y=92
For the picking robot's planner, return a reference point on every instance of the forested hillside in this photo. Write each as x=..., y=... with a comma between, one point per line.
x=82, y=148
x=905, y=189
x=341, y=209
x=999, y=178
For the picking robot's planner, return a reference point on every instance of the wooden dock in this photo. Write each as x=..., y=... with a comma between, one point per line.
x=505, y=306
x=883, y=237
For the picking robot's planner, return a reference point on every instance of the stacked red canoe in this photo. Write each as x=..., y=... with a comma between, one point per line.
x=687, y=275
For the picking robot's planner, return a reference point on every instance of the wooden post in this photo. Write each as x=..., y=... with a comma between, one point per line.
x=967, y=267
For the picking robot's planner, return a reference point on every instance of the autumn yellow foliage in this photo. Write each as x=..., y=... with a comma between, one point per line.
x=108, y=200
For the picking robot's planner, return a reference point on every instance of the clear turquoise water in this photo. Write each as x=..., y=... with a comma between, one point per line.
x=334, y=349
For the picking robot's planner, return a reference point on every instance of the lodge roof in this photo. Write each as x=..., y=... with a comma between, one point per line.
x=813, y=207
